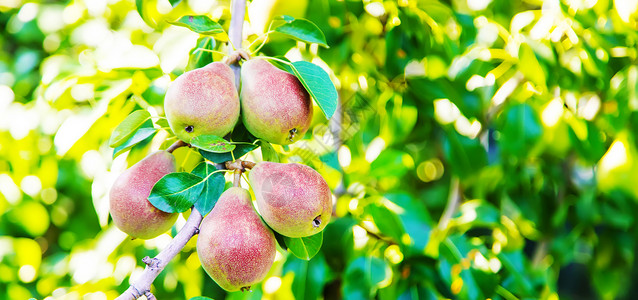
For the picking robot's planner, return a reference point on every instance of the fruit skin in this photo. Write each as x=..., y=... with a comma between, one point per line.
x=274, y=104
x=131, y=211
x=293, y=199
x=234, y=246
x=204, y=98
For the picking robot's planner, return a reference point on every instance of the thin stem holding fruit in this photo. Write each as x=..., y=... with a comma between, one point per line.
x=248, y=164
x=237, y=178
x=177, y=144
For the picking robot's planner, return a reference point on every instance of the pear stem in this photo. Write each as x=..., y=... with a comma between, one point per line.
x=177, y=144
x=237, y=178
x=154, y=266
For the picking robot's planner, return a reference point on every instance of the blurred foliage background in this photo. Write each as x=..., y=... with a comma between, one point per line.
x=482, y=149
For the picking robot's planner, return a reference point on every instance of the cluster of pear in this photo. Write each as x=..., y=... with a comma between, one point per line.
x=235, y=247
x=275, y=106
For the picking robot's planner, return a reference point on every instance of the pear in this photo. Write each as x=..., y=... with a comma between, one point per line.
x=130, y=209
x=203, y=101
x=275, y=106
x=234, y=246
x=292, y=198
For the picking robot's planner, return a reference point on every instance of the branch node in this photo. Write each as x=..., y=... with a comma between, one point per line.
x=147, y=260
x=136, y=293
x=149, y=295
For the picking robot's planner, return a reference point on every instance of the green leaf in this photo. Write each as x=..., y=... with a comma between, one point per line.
x=139, y=4
x=212, y=143
x=198, y=59
x=302, y=30
x=386, y=220
x=529, y=66
x=466, y=156
x=268, y=153
x=477, y=213
x=142, y=134
x=305, y=247
x=199, y=24
x=163, y=123
x=213, y=187
x=174, y=2
x=128, y=127
x=176, y=192
x=310, y=276
x=363, y=276
x=318, y=84
x=521, y=130
x=240, y=150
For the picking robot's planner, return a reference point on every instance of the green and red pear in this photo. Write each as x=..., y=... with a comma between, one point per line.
x=130, y=209
x=234, y=246
x=203, y=101
x=275, y=106
x=292, y=198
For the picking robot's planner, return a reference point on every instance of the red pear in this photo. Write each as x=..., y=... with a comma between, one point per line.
x=203, y=101
x=275, y=106
x=234, y=246
x=293, y=199
x=130, y=209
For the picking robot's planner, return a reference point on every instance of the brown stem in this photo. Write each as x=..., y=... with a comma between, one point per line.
x=233, y=165
x=176, y=145
x=239, y=164
x=248, y=164
x=154, y=266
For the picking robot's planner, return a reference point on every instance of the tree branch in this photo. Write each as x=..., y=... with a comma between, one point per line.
x=238, y=12
x=154, y=266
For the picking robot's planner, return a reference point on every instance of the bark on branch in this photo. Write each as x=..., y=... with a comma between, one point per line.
x=154, y=266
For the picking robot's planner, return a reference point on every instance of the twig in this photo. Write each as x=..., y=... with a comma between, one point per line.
x=154, y=266
x=377, y=236
x=452, y=203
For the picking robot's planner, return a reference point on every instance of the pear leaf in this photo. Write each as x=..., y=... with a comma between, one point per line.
x=128, y=127
x=305, y=247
